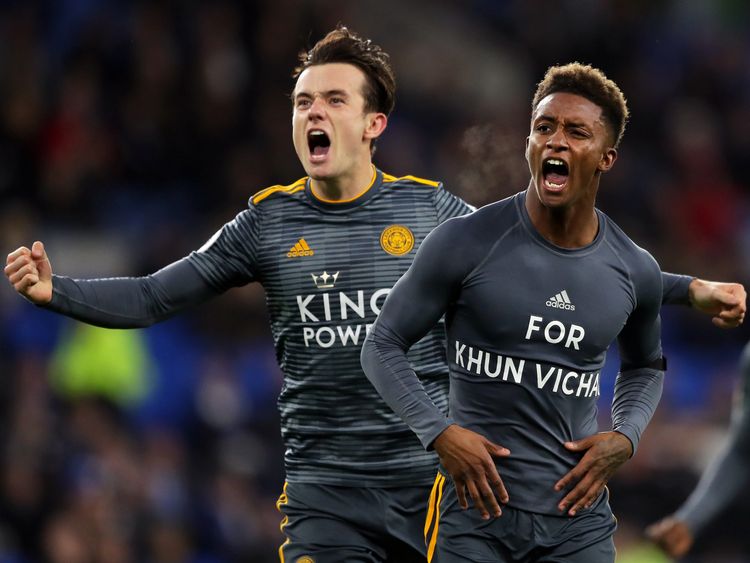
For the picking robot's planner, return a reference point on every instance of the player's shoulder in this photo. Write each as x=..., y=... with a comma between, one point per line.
x=639, y=260
x=278, y=191
x=492, y=218
x=410, y=181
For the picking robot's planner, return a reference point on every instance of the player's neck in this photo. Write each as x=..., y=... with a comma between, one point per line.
x=345, y=187
x=570, y=226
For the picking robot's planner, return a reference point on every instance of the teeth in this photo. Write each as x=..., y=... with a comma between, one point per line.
x=556, y=162
x=317, y=133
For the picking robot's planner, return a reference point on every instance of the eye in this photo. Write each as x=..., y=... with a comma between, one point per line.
x=336, y=100
x=542, y=128
x=579, y=133
x=302, y=103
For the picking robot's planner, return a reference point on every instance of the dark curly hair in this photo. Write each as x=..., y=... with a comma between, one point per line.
x=592, y=84
x=344, y=46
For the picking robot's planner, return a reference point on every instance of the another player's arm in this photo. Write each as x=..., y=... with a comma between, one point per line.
x=412, y=308
x=725, y=302
x=724, y=479
x=129, y=302
x=638, y=388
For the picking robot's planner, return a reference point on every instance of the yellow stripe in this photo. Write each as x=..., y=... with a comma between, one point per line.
x=431, y=507
x=389, y=178
x=433, y=540
x=283, y=500
x=281, y=550
x=292, y=188
x=298, y=247
x=367, y=189
x=303, y=242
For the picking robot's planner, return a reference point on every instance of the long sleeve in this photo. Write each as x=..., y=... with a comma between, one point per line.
x=675, y=289
x=728, y=475
x=130, y=302
x=639, y=384
x=413, y=306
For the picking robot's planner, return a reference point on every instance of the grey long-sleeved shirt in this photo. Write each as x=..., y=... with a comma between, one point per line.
x=528, y=327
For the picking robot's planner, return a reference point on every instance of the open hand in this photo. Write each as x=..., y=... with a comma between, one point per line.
x=604, y=454
x=467, y=456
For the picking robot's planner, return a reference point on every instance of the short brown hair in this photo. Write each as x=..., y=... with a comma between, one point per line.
x=344, y=46
x=592, y=84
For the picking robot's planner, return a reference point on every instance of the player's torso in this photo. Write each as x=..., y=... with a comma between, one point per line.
x=527, y=339
x=327, y=270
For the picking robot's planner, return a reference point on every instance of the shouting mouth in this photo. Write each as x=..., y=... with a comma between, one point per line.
x=555, y=173
x=319, y=145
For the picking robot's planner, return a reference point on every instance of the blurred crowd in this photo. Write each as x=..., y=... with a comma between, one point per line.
x=131, y=131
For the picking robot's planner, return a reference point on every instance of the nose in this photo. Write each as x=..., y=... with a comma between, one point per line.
x=557, y=140
x=317, y=108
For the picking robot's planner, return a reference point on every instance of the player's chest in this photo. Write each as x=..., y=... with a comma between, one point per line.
x=354, y=253
x=531, y=297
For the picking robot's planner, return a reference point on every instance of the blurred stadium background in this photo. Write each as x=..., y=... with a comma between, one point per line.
x=130, y=131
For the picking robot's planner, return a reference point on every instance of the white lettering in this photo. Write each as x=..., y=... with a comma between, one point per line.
x=348, y=333
x=329, y=331
x=557, y=380
x=565, y=387
x=459, y=353
x=473, y=360
x=584, y=383
x=498, y=365
x=541, y=381
x=326, y=306
x=308, y=334
x=532, y=326
x=548, y=335
x=576, y=335
x=358, y=307
x=516, y=371
x=303, y=311
x=595, y=388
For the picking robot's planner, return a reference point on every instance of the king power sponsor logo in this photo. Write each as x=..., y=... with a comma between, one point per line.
x=334, y=317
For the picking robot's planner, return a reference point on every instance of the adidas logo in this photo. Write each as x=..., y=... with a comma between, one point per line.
x=561, y=301
x=300, y=249
x=325, y=280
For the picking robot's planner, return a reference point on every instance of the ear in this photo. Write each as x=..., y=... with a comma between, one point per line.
x=376, y=124
x=607, y=161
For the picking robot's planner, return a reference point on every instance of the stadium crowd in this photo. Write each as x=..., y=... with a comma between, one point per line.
x=130, y=131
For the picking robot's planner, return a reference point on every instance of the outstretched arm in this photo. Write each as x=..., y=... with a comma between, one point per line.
x=108, y=302
x=724, y=479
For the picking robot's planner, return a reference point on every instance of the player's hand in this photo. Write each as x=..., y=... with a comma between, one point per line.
x=467, y=456
x=725, y=302
x=604, y=454
x=672, y=535
x=30, y=273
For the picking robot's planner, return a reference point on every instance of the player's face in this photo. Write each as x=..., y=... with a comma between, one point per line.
x=330, y=128
x=568, y=147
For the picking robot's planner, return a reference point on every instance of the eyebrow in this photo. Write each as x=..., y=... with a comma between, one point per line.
x=545, y=117
x=326, y=94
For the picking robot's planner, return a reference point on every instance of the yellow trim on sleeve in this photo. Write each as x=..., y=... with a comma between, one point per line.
x=389, y=178
x=290, y=189
x=283, y=500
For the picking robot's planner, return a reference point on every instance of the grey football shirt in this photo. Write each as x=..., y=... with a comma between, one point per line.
x=528, y=327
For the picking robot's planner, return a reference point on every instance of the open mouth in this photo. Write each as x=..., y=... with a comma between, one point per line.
x=319, y=144
x=555, y=173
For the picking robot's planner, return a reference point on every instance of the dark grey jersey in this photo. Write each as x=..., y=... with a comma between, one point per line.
x=726, y=479
x=326, y=269
x=528, y=327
